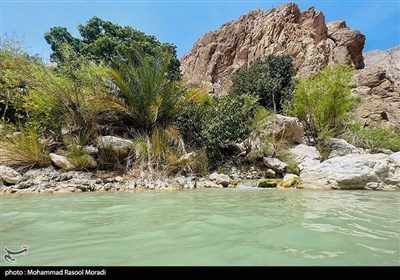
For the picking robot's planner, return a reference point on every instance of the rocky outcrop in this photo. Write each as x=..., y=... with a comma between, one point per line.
x=389, y=60
x=275, y=127
x=340, y=147
x=305, y=36
x=355, y=171
x=379, y=92
x=49, y=180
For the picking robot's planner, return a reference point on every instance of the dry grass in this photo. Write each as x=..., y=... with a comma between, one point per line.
x=24, y=150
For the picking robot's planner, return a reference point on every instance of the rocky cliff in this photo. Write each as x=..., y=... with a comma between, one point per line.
x=378, y=84
x=389, y=60
x=305, y=36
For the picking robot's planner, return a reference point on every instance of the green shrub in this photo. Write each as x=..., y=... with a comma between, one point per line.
x=322, y=103
x=214, y=127
x=269, y=80
x=373, y=138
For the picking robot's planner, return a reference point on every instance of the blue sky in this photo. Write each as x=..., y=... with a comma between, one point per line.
x=182, y=22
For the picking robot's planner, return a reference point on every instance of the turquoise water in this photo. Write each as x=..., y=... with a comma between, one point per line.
x=204, y=227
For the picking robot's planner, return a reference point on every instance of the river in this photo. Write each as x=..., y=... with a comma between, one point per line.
x=204, y=227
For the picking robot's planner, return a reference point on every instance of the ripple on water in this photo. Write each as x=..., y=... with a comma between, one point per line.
x=208, y=227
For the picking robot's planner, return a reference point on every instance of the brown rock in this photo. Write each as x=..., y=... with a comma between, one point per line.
x=388, y=60
x=379, y=88
x=218, y=54
x=370, y=77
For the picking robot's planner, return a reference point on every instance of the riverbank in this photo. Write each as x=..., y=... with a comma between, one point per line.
x=354, y=171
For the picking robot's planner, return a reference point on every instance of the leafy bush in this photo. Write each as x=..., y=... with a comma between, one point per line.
x=373, y=138
x=215, y=126
x=14, y=61
x=269, y=80
x=322, y=103
x=24, y=149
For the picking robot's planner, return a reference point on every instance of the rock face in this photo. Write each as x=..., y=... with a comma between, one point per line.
x=277, y=127
x=389, y=60
x=340, y=147
x=355, y=171
x=305, y=36
x=378, y=84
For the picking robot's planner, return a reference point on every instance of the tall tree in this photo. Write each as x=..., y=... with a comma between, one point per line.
x=268, y=79
x=103, y=40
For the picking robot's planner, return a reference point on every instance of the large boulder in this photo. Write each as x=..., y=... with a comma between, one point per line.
x=61, y=161
x=116, y=144
x=283, y=128
x=289, y=181
x=307, y=157
x=304, y=35
x=340, y=147
x=355, y=171
x=278, y=127
x=220, y=179
x=275, y=164
x=9, y=175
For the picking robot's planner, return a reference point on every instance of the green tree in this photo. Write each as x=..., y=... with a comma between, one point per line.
x=269, y=80
x=103, y=40
x=145, y=98
x=322, y=103
x=215, y=126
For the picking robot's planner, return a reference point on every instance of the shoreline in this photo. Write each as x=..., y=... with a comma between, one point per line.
x=51, y=181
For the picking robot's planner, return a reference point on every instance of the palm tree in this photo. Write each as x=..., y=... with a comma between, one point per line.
x=145, y=96
x=148, y=101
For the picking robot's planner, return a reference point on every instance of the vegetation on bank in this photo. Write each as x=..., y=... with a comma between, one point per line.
x=118, y=81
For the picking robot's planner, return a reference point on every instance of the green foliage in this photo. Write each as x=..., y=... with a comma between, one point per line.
x=260, y=114
x=373, y=138
x=103, y=40
x=322, y=103
x=146, y=98
x=14, y=61
x=215, y=126
x=269, y=80
x=24, y=150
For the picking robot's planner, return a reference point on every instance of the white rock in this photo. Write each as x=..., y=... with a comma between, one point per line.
x=275, y=164
x=220, y=179
x=341, y=147
x=116, y=144
x=354, y=171
x=9, y=175
x=61, y=162
x=306, y=156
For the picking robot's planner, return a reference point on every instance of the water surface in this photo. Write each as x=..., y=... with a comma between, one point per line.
x=204, y=227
